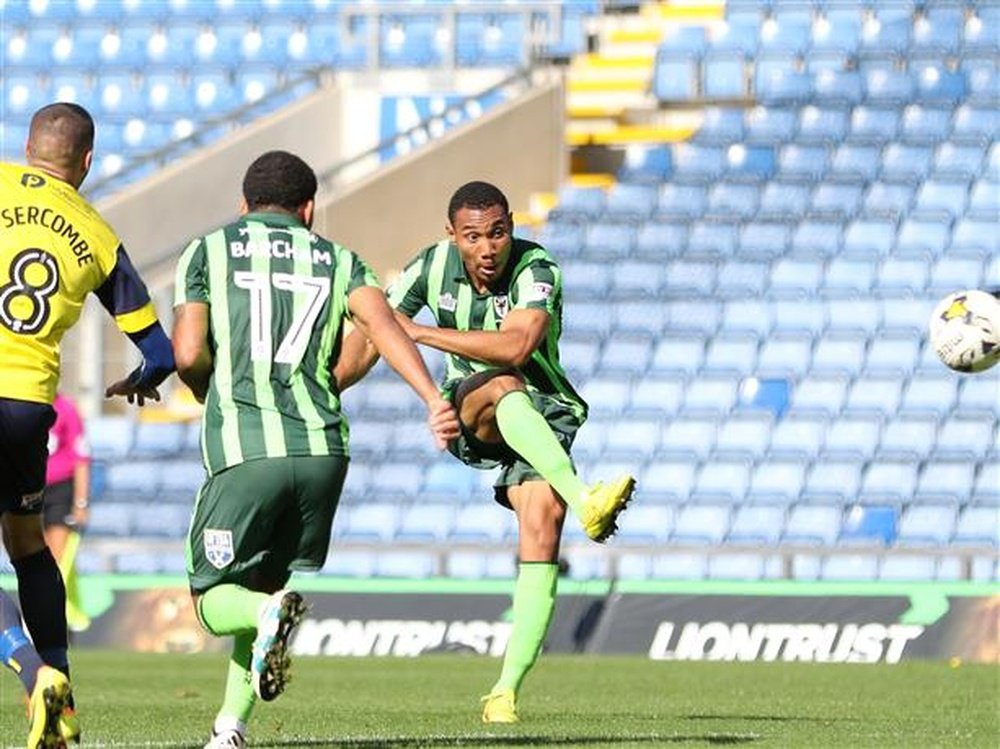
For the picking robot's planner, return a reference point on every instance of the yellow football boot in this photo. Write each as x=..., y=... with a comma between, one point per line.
x=50, y=697
x=498, y=707
x=602, y=505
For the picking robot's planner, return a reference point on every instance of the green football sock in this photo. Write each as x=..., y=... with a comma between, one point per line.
x=534, y=602
x=229, y=609
x=528, y=433
x=240, y=698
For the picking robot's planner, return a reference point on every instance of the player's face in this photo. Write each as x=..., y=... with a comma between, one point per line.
x=482, y=236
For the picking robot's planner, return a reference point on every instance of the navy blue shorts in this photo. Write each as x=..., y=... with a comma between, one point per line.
x=24, y=452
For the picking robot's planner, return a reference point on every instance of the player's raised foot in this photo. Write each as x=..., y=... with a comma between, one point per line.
x=602, y=505
x=269, y=662
x=228, y=739
x=51, y=695
x=498, y=707
x=69, y=726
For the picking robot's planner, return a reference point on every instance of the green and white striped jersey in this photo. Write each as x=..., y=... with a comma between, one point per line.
x=277, y=296
x=436, y=277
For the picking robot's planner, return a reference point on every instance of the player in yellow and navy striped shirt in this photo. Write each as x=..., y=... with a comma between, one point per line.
x=55, y=249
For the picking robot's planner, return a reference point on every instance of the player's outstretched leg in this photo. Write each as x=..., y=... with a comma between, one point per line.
x=269, y=665
x=527, y=432
x=50, y=696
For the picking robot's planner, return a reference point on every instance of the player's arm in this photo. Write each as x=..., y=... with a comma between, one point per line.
x=511, y=346
x=357, y=356
x=191, y=349
x=123, y=294
x=377, y=322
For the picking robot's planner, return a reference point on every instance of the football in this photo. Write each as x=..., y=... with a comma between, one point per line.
x=965, y=330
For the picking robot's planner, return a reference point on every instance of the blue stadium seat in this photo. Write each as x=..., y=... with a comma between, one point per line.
x=908, y=568
x=854, y=163
x=927, y=524
x=397, y=478
x=721, y=126
x=903, y=163
x=687, y=277
x=699, y=316
x=701, y=524
x=721, y=482
x=854, y=314
x=833, y=481
x=748, y=566
x=482, y=522
x=813, y=238
x=938, y=85
x=723, y=77
x=637, y=279
x=974, y=124
x=579, y=356
x=942, y=480
x=161, y=520
x=631, y=201
x=869, y=237
x=888, y=87
x=636, y=444
x=816, y=524
x=805, y=567
x=679, y=566
x=744, y=436
x=905, y=317
x=605, y=240
x=741, y=279
x=350, y=563
x=837, y=31
x=667, y=480
x=606, y=395
x=646, y=524
x=697, y=164
x=158, y=439
x=822, y=126
x=757, y=524
x=682, y=41
x=406, y=564
x=877, y=395
x=134, y=479
x=561, y=237
x=777, y=81
x=753, y=164
x=978, y=526
x=939, y=35
x=675, y=79
x=840, y=201
x=851, y=277
x=986, y=490
x=373, y=522
x=730, y=354
x=969, y=236
x=966, y=437
x=911, y=438
x=777, y=481
x=885, y=481
x=943, y=201
x=735, y=200
x=642, y=316
x=850, y=567
x=736, y=38
x=682, y=202
x=798, y=436
x=785, y=355
x=958, y=163
x=783, y=201
x=764, y=241
x=182, y=477
x=110, y=436
x=843, y=355
x=819, y=395
x=645, y=164
x=712, y=240
x=634, y=567
x=658, y=394
x=747, y=316
x=854, y=437
x=888, y=355
x=690, y=436
x=626, y=355
x=898, y=275
x=588, y=279
x=983, y=200
x=889, y=199
x=411, y=442
x=925, y=125
x=659, y=240
x=803, y=163
x=583, y=202
x=869, y=524
x=770, y=126
x=834, y=85
x=874, y=125
x=931, y=394
x=711, y=395
x=110, y=519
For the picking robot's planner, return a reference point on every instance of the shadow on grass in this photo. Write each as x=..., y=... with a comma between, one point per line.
x=773, y=718
x=407, y=742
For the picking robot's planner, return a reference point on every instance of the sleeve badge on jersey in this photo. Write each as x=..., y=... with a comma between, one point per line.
x=218, y=547
x=539, y=292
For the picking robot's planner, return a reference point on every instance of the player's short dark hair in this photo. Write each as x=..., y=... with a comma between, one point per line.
x=70, y=123
x=281, y=179
x=476, y=195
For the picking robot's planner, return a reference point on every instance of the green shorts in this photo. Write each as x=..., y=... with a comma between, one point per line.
x=563, y=420
x=255, y=522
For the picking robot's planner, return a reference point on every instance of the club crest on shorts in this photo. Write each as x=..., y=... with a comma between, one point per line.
x=218, y=547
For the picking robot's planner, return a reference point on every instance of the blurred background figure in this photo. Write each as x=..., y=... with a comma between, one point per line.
x=67, y=487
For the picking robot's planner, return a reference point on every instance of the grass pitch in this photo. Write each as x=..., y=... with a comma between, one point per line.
x=170, y=701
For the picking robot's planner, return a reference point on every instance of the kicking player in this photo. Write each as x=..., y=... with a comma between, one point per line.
x=260, y=306
x=56, y=249
x=498, y=305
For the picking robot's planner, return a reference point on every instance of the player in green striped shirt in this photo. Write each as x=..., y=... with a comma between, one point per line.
x=259, y=312
x=498, y=305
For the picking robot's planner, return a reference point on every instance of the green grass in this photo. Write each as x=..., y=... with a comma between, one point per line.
x=170, y=701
